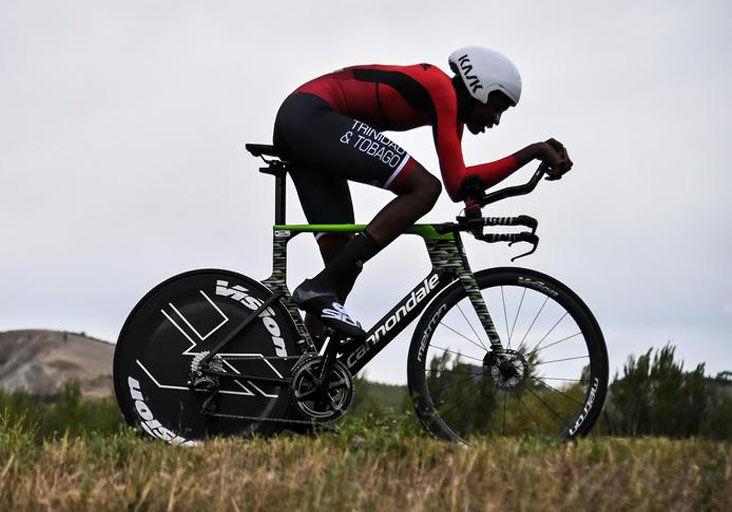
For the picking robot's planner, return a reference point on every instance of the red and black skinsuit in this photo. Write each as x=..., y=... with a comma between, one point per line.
x=330, y=129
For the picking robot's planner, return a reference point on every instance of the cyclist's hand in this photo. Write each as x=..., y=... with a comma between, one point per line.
x=554, y=154
x=472, y=189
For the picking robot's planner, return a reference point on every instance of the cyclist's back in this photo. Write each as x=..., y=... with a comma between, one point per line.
x=387, y=97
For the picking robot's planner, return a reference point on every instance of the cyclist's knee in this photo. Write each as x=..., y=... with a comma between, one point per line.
x=432, y=189
x=425, y=186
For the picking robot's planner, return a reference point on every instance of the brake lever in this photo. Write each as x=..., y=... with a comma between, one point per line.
x=525, y=237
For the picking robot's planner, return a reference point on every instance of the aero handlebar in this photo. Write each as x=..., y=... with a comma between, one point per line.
x=518, y=190
x=475, y=222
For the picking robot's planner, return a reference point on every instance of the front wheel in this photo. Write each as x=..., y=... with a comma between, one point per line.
x=551, y=381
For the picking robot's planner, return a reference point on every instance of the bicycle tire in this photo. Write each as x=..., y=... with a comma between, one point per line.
x=488, y=384
x=186, y=315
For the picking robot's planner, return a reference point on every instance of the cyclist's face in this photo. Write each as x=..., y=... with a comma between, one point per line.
x=487, y=115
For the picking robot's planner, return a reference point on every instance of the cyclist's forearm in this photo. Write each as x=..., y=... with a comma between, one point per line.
x=529, y=153
x=494, y=172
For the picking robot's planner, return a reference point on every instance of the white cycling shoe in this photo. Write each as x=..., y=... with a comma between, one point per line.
x=325, y=306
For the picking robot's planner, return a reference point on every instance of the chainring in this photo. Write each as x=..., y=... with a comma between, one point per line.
x=321, y=399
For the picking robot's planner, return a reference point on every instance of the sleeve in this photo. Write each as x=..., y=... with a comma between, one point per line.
x=447, y=132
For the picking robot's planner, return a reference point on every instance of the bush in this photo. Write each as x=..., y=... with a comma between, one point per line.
x=655, y=396
x=65, y=413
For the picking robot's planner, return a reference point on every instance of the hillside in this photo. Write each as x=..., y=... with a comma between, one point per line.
x=41, y=361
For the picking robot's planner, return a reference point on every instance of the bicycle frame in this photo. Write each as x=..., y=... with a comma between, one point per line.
x=449, y=264
x=444, y=246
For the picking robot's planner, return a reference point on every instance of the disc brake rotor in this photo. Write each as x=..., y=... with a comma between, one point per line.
x=510, y=371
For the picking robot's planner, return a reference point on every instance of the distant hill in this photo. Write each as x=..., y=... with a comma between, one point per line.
x=41, y=361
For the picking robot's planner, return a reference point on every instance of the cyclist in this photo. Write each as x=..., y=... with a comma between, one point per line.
x=330, y=130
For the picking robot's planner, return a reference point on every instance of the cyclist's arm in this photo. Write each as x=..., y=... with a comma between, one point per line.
x=447, y=131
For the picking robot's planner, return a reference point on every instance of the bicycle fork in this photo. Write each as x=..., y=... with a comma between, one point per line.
x=449, y=256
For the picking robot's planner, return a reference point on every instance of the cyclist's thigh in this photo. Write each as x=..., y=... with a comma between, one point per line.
x=324, y=199
x=334, y=144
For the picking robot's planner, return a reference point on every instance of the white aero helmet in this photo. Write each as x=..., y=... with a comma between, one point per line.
x=484, y=70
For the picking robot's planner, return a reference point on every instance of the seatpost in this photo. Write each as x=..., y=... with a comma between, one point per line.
x=280, y=196
x=279, y=171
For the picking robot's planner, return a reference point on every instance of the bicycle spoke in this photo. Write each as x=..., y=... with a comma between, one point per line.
x=565, y=359
x=461, y=401
x=546, y=299
x=550, y=331
x=458, y=353
x=452, y=385
x=505, y=314
x=464, y=337
x=504, y=412
x=453, y=371
x=546, y=405
x=554, y=389
x=516, y=317
x=471, y=326
x=528, y=411
x=554, y=343
x=566, y=380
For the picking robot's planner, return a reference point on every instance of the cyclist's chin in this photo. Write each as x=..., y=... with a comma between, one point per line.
x=476, y=129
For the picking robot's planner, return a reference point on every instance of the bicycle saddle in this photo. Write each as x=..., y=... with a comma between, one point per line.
x=264, y=150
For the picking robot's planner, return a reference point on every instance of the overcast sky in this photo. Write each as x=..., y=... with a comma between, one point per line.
x=121, y=161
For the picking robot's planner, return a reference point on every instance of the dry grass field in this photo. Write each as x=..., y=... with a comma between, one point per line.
x=351, y=470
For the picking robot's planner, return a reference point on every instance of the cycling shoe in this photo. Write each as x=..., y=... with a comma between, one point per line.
x=325, y=306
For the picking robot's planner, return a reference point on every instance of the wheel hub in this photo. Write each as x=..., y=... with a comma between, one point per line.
x=508, y=371
x=200, y=380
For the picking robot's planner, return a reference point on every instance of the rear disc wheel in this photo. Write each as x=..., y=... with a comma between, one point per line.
x=165, y=336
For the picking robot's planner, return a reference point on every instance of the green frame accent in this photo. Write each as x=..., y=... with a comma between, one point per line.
x=426, y=231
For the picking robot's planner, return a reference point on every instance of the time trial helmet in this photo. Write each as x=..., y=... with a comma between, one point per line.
x=484, y=70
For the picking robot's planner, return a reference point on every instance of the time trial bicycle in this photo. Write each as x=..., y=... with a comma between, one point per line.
x=500, y=351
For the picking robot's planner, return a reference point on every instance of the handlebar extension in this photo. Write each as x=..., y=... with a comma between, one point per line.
x=518, y=190
x=521, y=220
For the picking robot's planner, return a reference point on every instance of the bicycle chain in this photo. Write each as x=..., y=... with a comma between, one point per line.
x=278, y=358
x=268, y=419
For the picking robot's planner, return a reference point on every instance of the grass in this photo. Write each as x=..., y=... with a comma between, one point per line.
x=70, y=454
x=369, y=464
